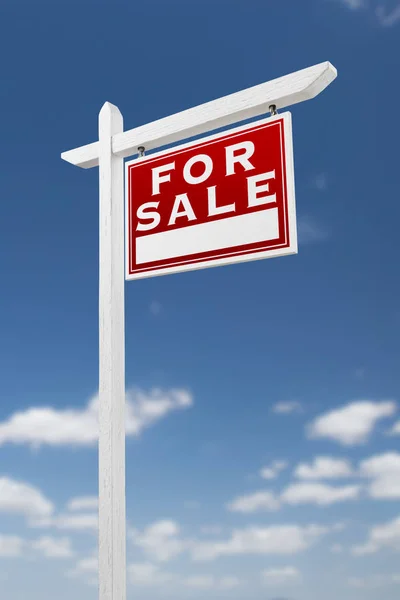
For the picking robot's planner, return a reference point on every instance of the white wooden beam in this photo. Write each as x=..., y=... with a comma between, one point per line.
x=252, y=102
x=112, y=525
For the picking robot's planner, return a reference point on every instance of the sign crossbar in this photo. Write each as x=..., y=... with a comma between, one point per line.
x=246, y=104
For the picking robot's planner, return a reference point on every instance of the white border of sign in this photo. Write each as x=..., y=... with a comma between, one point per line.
x=232, y=259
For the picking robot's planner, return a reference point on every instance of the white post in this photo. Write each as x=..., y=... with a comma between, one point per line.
x=108, y=153
x=112, y=525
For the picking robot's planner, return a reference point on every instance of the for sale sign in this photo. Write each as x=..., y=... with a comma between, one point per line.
x=223, y=199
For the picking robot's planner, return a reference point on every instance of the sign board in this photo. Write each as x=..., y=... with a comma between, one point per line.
x=223, y=199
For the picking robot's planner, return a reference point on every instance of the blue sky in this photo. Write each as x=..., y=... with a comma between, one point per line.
x=273, y=469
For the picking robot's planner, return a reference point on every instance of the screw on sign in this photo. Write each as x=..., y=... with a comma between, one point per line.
x=226, y=198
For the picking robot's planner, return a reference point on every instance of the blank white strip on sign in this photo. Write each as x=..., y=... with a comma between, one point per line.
x=252, y=228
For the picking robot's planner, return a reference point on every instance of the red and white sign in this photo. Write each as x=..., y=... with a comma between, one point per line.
x=223, y=199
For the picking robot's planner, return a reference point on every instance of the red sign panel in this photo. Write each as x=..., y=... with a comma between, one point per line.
x=223, y=199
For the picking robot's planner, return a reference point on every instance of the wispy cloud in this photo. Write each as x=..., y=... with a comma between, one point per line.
x=324, y=467
x=275, y=539
x=273, y=470
x=163, y=541
x=251, y=503
x=160, y=541
x=287, y=407
x=388, y=18
x=380, y=537
x=149, y=574
x=308, y=492
x=320, y=494
x=79, y=426
x=354, y=4
x=53, y=547
x=309, y=231
x=19, y=498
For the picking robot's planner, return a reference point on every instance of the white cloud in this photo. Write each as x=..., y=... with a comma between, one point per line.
x=273, y=470
x=276, y=539
x=380, y=537
x=73, y=522
x=21, y=498
x=384, y=470
x=280, y=575
x=306, y=492
x=287, y=408
x=388, y=19
x=83, y=503
x=336, y=548
x=324, y=467
x=160, y=541
x=79, y=427
x=351, y=424
x=259, y=501
x=53, y=547
x=319, y=493
x=11, y=546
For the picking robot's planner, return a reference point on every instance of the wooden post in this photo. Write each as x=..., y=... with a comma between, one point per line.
x=112, y=524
